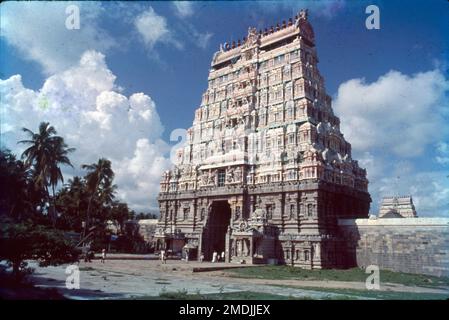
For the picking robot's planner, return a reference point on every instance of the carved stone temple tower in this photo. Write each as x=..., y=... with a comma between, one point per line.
x=265, y=171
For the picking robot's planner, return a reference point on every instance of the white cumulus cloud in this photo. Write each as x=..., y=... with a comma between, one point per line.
x=86, y=107
x=38, y=31
x=403, y=114
x=394, y=124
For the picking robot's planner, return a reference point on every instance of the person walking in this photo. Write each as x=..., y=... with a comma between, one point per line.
x=103, y=255
x=214, y=257
x=86, y=253
x=223, y=256
x=163, y=256
x=90, y=254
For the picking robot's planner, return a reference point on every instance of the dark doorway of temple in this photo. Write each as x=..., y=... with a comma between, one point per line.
x=214, y=235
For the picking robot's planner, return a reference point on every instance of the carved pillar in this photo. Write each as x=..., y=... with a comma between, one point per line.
x=251, y=248
x=200, y=244
x=232, y=204
x=280, y=206
x=228, y=245
x=253, y=203
x=316, y=249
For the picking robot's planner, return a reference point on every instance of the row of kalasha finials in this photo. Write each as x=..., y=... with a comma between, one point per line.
x=267, y=31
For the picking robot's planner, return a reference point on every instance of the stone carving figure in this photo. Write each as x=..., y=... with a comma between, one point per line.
x=167, y=176
x=183, y=172
x=248, y=55
x=237, y=213
x=204, y=178
x=239, y=248
x=258, y=216
x=246, y=241
x=211, y=178
x=243, y=226
x=302, y=16
x=252, y=36
x=230, y=175
x=317, y=250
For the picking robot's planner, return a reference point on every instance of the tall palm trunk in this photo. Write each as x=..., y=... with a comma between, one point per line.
x=54, y=206
x=47, y=200
x=87, y=216
x=89, y=205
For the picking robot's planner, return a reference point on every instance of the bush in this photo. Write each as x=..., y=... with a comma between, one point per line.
x=27, y=241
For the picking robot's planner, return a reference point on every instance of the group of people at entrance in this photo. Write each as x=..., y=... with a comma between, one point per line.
x=216, y=257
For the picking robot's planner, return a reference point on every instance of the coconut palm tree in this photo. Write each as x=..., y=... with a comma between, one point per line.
x=46, y=153
x=15, y=189
x=72, y=202
x=99, y=185
x=120, y=213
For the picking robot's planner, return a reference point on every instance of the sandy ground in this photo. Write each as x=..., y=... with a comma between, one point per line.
x=119, y=279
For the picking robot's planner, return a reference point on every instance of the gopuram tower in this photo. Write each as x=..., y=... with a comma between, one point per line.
x=265, y=172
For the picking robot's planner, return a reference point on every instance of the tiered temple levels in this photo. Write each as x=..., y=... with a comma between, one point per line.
x=265, y=172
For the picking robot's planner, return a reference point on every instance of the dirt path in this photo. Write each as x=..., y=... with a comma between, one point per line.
x=132, y=278
x=180, y=268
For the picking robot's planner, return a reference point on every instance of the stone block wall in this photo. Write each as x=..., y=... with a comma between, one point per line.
x=412, y=245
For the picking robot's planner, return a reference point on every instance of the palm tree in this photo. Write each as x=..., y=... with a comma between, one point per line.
x=72, y=200
x=46, y=153
x=120, y=213
x=99, y=184
x=15, y=189
x=77, y=189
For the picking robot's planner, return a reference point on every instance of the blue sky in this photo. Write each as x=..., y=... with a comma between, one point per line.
x=168, y=59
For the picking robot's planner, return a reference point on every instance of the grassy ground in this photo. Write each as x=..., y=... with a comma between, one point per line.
x=355, y=274
x=344, y=294
x=241, y=295
x=377, y=294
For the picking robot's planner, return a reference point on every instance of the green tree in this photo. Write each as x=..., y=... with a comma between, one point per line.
x=71, y=201
x=46, y=153
x=121, y=214
x=27, y=241
x=15, y=189
x=99, y=185
x=22, y=233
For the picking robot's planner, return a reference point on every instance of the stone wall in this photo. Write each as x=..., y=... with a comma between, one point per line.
x=412, y=245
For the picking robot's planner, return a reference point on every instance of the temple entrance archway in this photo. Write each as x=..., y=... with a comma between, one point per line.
x=214, y=235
